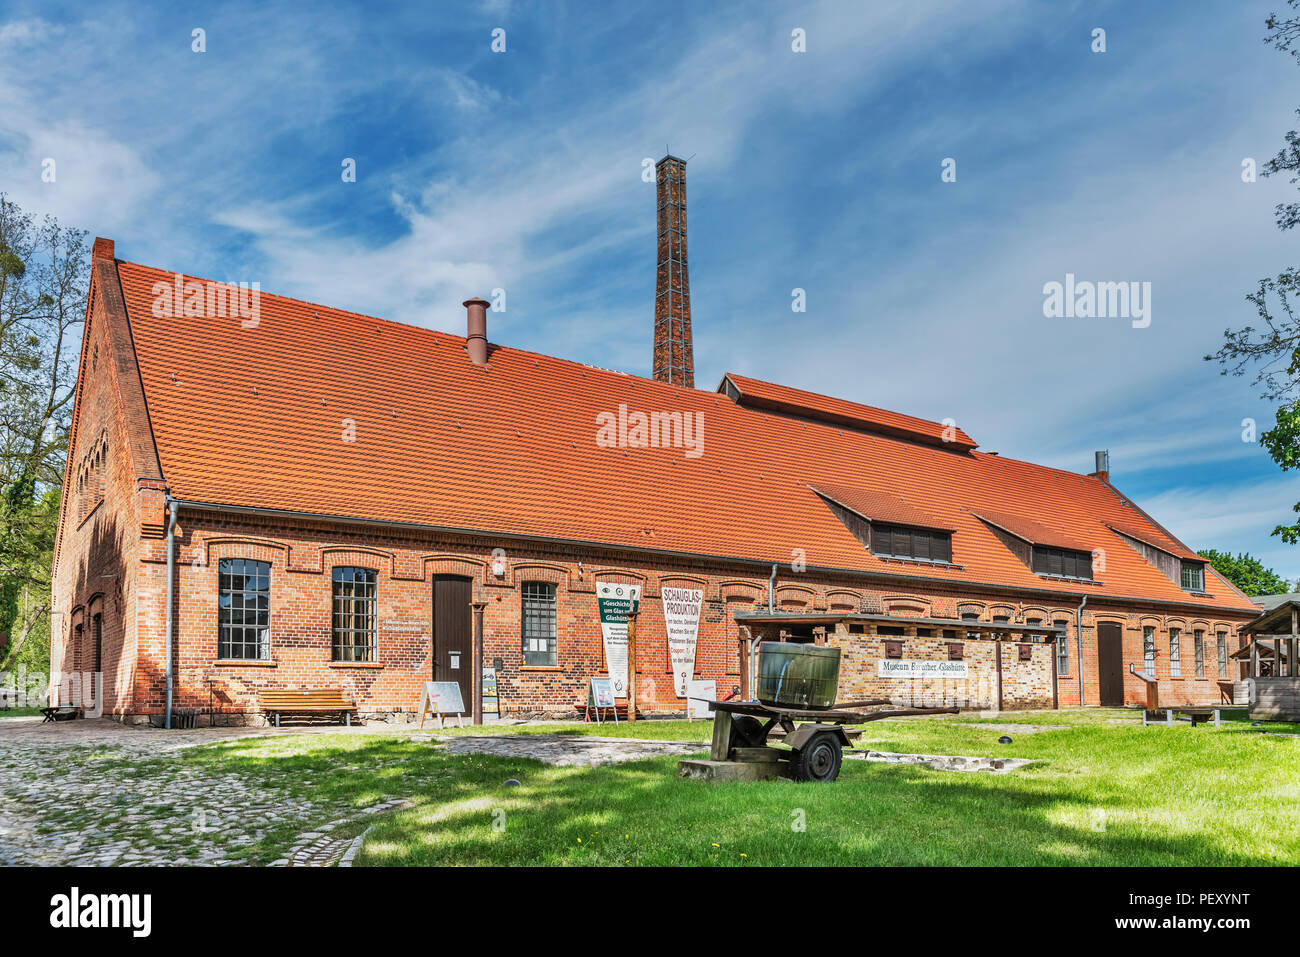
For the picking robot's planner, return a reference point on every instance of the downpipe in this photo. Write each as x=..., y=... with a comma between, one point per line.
x=1078, y=643
x=173, y=511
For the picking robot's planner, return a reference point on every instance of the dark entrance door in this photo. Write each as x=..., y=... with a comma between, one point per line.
x=1110, y=664
x=452, y=634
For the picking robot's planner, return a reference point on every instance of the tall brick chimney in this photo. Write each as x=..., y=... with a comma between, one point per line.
x=674, y=356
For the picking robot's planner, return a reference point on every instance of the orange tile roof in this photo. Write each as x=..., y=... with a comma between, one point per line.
x=1031, y=530
x=322, y=411
x=878, y=506
x=758, y=394
x=1154, y=536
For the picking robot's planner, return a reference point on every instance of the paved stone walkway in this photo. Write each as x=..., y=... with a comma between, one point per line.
x=942, y=762
x=58, y=806
x=566, y=749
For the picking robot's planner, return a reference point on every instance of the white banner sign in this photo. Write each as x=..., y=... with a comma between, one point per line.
x=914, y=668
x=682, y=621
x=614, y=602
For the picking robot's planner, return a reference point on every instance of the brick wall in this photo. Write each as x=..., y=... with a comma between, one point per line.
x=301, y=555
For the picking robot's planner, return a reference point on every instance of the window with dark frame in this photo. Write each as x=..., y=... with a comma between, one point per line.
x=1149, y=651
x=243, y=610
x=970, y=616
x=1198, y=644
x=1175, y=653
x=539, y=624
x=1062, y=649
x=905, y=541
x=1062, y=562
x=1223, y=654
x=354, y=614
x=1193, y=576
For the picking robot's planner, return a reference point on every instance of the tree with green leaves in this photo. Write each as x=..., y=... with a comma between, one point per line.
x=1272, y=350
x=1246, y=572
x=44, y=277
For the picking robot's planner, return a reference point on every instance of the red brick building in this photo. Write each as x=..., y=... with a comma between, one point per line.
x=344, y=486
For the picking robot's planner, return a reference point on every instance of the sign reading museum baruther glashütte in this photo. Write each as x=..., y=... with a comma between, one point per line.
x=682, y=621
x=614, y=603
x=915, y=668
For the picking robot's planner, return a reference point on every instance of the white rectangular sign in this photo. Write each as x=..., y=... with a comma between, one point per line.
x=700, y=694
x=682, y=622
x=915, y=668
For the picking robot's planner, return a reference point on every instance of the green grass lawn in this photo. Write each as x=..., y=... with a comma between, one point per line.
x=20, y=713
x=1103, y=790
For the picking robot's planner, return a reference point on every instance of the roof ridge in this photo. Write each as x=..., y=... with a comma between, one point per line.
x=438, y=332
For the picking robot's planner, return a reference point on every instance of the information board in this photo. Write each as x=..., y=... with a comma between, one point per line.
x=441, y=698
x=682, y=621
x=600, y=695
x=614, y=602
x=698, y=696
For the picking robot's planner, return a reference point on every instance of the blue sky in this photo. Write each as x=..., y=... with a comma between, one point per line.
x=820, y=170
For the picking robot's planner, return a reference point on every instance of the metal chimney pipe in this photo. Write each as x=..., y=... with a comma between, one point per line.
x=1103, y=461
x=476, y=330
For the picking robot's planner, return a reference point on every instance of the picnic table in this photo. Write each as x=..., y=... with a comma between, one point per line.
x=1198, y=713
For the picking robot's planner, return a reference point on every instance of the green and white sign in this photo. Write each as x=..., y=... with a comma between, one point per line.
x=614, y=603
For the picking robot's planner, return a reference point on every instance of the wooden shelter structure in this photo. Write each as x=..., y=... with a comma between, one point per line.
x=1270, y=682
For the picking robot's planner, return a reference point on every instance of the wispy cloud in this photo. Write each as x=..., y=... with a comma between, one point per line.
x=817, y=170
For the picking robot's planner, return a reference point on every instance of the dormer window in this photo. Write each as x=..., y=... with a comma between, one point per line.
x=903, y=541
x=1062, y=562
x=1193, y=577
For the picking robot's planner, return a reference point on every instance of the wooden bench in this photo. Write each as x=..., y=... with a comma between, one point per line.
x=60, y=712
x=307, y=701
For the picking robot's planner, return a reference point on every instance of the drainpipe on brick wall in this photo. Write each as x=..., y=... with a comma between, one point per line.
x=771, y=591
x=1078, y=641
x=173, y=509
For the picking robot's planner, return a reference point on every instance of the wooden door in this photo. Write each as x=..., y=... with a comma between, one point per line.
x=1110, y=664
x=453, y=639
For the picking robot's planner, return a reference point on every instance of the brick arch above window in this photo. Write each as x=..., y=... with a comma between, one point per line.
x=908, y=606
x=258, y=549
x=619, y=576
x=684, y=581
x=971, y=607
x=359, y=556
x=442, y=563
x=540, y=572
x=736, y=590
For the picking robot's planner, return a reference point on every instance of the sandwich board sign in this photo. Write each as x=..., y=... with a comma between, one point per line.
x=698, y=696
x=600, y=694
x=614, y=602
x=682, y=622
x=441, y=698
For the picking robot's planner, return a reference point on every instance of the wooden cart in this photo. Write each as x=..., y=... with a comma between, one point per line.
x=740, y=749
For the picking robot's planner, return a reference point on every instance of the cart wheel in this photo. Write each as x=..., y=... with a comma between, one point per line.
x=818, y=760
